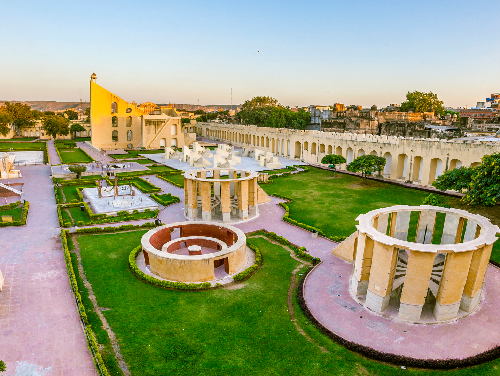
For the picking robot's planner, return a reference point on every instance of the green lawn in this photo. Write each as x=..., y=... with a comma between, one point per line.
x=75, y=155
x=140, y=160
x=19, y=139
x=16, y=213
x=332, y=204
x=70, y=191
x=179, y=179
x=18, y=146
x=245, y=331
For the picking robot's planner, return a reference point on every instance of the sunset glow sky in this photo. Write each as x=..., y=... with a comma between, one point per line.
x=315, y=52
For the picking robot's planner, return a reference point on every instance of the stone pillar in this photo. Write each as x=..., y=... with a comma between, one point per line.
x=381, y=276
x=206, y=200
x=362, y=265
x=193, y=200
x=450, y=229
x=425, y=228
x=243, y=199
x=402, y=224
x=475, y=278
x=186, y=195
x=455, y=272
x=225, y=202
x=416, y=284
x=253, y=203
x=426, y=169
x=216, y=184
x=232, y=175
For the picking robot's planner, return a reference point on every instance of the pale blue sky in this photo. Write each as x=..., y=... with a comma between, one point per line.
x=315, y=52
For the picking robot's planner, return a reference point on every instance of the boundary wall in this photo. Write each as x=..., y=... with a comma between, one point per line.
x=415, y=160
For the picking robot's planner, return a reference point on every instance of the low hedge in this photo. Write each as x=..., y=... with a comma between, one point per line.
x=89, y=334
x=100, y=230
x=24, y=215
x=46, y=157
x=300, y=252
x=162, y=283
x=164, y=177
x=151, y=187
x=252, y=269
x=169, y=200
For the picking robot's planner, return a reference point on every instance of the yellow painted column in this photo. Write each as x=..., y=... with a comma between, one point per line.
x=243, y=199
x=362, y=265
x=475, y=278
x=416, y=284
x=186, y=196
x=253, y=208
x=206, y=200
x=225, y=201
x=455, y=272
x=381, y=276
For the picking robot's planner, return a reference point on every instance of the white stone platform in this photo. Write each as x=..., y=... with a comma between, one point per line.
x=24, y=158
x=112, y=205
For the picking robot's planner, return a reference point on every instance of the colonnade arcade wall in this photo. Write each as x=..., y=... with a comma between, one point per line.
x=417, y=160
x=394, y=257
x=222, y=199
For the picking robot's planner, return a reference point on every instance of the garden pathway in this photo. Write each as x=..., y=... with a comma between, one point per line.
x=101, y=157
x=53, y=156
x=40, y=329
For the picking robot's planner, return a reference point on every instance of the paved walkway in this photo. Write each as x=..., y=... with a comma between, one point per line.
x=40, y=329
x=53, y=156
x=101, y=157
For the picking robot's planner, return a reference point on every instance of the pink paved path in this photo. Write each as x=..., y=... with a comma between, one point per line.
x=53, y=156
x=327, y=297
x=40, y=329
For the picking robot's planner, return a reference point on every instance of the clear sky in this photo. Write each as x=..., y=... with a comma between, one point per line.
x=300, y=52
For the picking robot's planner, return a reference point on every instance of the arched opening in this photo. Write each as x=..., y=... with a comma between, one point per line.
x=322, y=148
x=361, y=152
x=455, y=163
x=306, y=146
x=418, y=164
x=129, y=121
x=388, y=163
x=297, y=149
x=258, y=141
x=350, y=155
x=114, y=107
x=475, y=164
x=114, y=121
x=272, y=145
x=288, y=147
x=114, y=136
x=173, y=130
x=435, y=170
x=374, y=152
x=129, y=135
x=402, y=166
x=313, y=148
x=338, y=151
x=262, y=141
x=173, y=143
x=38, y=133
x=128, y=110
x=163, y=142
x=330, y=149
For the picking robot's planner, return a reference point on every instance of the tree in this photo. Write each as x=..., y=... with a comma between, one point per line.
x=47, y=113
x=484, y=188
x=422, y=102
x=367, y=164
x=5, y=120
x=20, y=113
x=3, y=367
x=76, y=127
x=185, y=120
x=332, y=160
x=71, y=114
x=56, y=125
x=456, y=179
x=87, y=114
x=78, y=169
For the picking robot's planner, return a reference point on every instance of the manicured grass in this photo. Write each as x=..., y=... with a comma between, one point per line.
x=152, y=170
x=18, y=146
x=179, y=179
x=139, y=183
x=16, y=213
x=332, y=204
x=78, y=215
x=70, y=191
x=246, y=331
x=140, y=160
x=75, y=155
